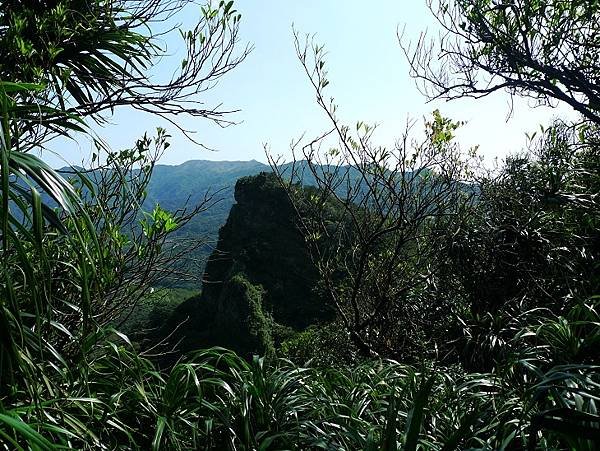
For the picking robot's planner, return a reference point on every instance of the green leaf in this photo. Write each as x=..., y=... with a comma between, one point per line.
x=31, y=436
x=416, y=415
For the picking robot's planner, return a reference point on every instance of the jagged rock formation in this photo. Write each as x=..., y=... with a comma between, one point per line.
x=259, y=282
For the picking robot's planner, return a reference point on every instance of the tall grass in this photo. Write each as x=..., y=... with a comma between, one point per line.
x=216, y=400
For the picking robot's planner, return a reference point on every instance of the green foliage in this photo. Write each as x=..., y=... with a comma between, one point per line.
x=528, y=253
x=216, y=400
x=148, y=315
x=67, y=262
x=260, y=323
x=26, y=224
x=158, y=221
x=321, y=346
x=489, y=289
x=240, y=320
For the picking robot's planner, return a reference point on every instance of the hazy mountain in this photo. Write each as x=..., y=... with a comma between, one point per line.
x=173, y=186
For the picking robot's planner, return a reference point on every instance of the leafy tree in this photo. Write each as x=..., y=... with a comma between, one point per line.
x=547, y=50
x=373, y=226
x=530, y=250
x=92, y=57
x=63, y=62
x=137, y=251
x=25, y=266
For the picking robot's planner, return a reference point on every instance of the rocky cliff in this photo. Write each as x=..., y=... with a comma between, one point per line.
x=259, y=284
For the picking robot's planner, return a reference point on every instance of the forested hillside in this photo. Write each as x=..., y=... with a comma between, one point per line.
x=359, y=296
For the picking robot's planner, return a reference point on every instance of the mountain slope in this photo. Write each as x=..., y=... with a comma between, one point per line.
x=175, y=186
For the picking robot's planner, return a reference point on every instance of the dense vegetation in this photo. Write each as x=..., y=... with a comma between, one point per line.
x=406, y=300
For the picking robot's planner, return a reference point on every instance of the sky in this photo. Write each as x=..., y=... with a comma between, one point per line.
x=369, y=80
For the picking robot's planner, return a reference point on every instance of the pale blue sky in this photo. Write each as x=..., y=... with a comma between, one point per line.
x=369, y=80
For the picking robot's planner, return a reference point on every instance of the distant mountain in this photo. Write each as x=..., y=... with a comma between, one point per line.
x=174, y=187
x=187, y=184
